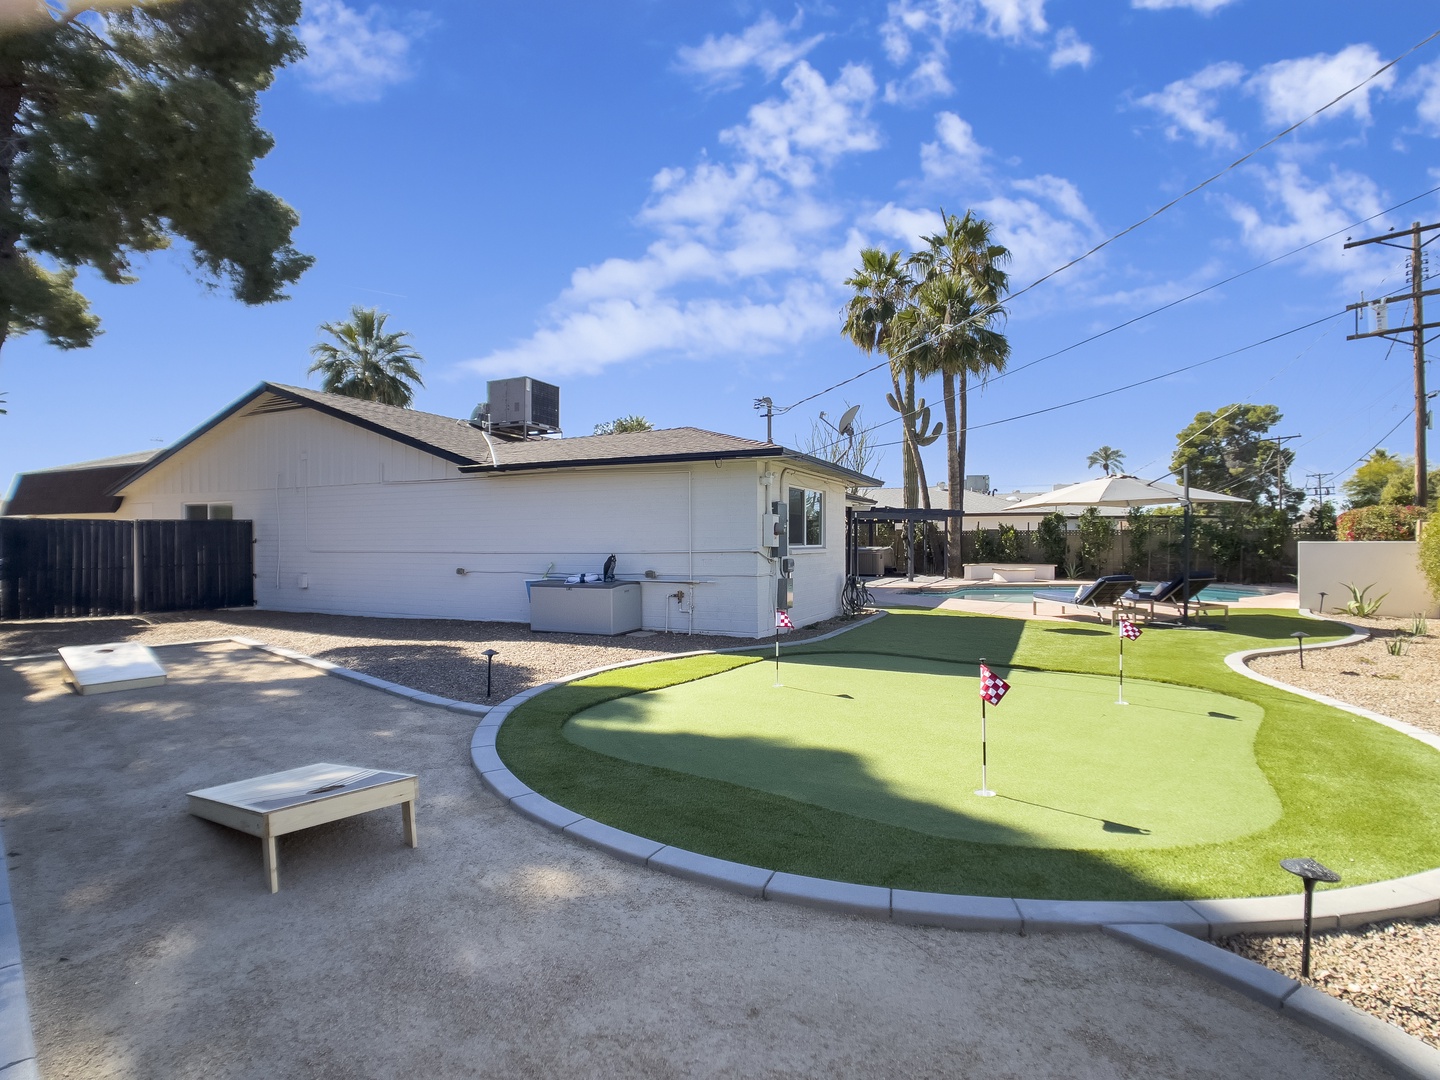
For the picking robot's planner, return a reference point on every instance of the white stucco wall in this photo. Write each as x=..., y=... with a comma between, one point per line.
x=1384, y=566
x=350, y=522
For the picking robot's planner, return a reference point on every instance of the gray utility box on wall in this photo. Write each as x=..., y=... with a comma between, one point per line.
x=599, y=607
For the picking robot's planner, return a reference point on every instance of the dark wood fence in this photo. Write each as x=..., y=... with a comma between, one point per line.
x=57, y=568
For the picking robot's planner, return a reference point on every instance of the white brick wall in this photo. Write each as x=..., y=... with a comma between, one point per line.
x=376, y=527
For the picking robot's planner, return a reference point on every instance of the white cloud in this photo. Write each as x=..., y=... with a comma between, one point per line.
x=955, y=151
x=1069, y=49
x=1426, y=86
x=932, y=23
x=764, y=44
x=1298, y=210
x=1204, y=7
x=1191, y=104
x=929, y=78
x=745, y=260
x=1292, y=89
x=618, y=330
x=816, y=122
x=931, y=19
x=354, y=55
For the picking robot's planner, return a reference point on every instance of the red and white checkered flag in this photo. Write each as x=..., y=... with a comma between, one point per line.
x=992, y=687
x=782, y=620
x=1128, y=629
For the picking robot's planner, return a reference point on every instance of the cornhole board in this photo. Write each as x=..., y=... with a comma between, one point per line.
x=285, y=802
x=100, y=669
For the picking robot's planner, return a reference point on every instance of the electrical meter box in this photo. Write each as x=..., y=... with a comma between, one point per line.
x=784, y=593
x=774, y=527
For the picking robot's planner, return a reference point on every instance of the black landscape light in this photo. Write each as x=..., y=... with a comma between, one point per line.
x=1322, y=603
x=489, y=655
x=1308, y=871
x=1300, y=636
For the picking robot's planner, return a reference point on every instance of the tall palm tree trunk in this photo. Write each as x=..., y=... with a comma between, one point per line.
x=953, y=473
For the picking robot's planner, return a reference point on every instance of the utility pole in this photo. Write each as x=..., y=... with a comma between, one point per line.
x=1416, y=329
x=765, y=405
x=1319, y=489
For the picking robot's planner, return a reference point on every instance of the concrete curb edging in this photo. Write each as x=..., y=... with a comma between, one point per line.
x=1417, y=896
x=1396, y=1049
x=17, y=1039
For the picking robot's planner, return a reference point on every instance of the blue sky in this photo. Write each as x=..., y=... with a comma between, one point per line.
x=655, y=204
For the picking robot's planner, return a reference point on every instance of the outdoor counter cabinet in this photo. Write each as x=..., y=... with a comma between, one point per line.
x=285, y=802
x=595, y=607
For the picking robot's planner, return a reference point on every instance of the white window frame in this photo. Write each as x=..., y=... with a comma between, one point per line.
x=209, y=509
x=796, y=539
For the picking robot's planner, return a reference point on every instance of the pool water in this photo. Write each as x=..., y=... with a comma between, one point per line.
x=1018, y=594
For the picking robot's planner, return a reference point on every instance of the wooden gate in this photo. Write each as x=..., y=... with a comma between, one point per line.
x=66, y=568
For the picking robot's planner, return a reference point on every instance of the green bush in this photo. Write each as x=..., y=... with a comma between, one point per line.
x=1379, y=523
x=1097, y=537
x=1050, y=534
x=1430, y=554
x=1008, y=545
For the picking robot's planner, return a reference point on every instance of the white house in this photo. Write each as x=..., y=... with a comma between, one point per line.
x=367, y=509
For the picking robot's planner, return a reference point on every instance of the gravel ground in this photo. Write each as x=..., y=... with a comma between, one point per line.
x=1406, y=687
x=1390, y=969
x=438, y=656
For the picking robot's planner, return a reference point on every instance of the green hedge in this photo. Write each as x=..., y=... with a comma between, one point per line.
x=1379, y=523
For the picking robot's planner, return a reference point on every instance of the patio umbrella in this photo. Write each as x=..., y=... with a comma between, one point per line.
x=1129, y=491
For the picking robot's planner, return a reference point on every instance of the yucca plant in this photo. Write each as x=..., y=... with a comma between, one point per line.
x=1396, y=646
x=1418, y=626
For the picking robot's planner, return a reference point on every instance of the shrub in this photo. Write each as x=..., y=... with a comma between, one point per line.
x=1430, y=554
x=1051, y=535
x=1008, y=546
x=1379, y=523
x=1097, y=537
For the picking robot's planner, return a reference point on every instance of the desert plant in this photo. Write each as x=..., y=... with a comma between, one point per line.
x=1360, y=602
x=1418, y=626
x=1073, y=568
x=1396, y=646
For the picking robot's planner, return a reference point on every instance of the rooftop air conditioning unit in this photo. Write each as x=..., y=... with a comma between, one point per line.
x=523, y=406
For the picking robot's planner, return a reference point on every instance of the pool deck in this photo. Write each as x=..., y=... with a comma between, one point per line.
x=926, y=592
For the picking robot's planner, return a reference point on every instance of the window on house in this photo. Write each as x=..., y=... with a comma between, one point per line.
x=807, y=515
x=209, y=512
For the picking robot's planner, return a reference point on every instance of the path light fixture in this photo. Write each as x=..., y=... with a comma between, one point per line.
x=1300, y=636
x=489, y=655
x=1322, y=604
x=1308, y=871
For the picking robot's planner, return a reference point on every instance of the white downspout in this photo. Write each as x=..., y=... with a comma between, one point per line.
x=690, y=523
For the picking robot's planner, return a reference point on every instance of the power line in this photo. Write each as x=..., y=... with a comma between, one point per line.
x=1228, y=168
x=1131, y=321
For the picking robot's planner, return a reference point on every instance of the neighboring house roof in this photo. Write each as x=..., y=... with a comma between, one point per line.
x=82, y=488
x=473, y=450
x=976, y=502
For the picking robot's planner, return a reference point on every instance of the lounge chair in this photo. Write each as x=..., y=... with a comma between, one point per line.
x=1173, y=595
x=1100, y=593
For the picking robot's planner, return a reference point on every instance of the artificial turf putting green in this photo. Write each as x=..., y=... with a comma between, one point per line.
x=897, y=741
x=1353, y=793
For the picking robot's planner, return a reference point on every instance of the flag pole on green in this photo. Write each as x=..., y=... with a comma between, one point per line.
x=992, y=689
x=1127, y=630
x=782, y=622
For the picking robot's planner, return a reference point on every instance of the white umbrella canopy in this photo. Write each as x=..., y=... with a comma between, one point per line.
x=1119, y=491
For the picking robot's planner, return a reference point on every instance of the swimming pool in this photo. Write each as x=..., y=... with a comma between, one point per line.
x=1018, y=594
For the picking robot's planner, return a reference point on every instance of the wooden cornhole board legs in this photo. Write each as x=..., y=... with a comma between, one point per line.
x=278, y=803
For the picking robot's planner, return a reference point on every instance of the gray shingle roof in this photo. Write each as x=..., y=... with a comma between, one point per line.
x=471, y=449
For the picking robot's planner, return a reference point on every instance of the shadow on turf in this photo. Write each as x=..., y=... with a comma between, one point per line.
x=1106, y=824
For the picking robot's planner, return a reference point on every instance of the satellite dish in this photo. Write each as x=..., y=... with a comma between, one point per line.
x=847, y=422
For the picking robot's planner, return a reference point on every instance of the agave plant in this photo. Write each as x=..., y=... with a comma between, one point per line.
x=1360, y=602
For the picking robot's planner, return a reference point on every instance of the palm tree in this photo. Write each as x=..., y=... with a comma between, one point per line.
x=366, y=362
x=1105, y=457
x=957, y=309
x=882, y=289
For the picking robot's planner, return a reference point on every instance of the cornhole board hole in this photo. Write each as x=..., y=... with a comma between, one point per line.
x=285, y=802
x=100, y=669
